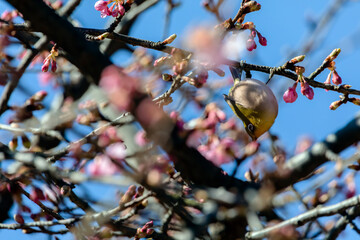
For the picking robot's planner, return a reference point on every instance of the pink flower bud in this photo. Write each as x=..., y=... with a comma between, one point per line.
x=101, y=6
x=253, y=33
x=19, y=218
x=129, y=194
x=45, y=66
x=53, y=66
x=149, y=224
x=250, y=44
x=306, y=90
x=140, y=138
x=202, y=77
x=290, y=95
x=327, y=81
x=37, y=195
x=262, y=40
x=25, y=209
x=35, y=216
x=336, y=79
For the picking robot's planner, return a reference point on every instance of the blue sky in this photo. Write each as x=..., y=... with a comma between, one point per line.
x=285, y=24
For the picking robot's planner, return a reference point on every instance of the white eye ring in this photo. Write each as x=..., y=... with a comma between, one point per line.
x=250, y=127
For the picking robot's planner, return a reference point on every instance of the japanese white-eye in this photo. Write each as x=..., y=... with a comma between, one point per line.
x=254, y=103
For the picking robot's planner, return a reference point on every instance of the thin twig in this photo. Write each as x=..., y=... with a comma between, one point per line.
x=27, y=59
x=307, y=207
x=35, y=131
x=301, y=219
x=64, y=151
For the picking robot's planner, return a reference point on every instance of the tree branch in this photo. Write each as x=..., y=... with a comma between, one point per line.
x=301, y=219
x=305, y=163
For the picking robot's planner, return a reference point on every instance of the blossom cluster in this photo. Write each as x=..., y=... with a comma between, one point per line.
x=50, y=59
x=116, y=7
x=290, y=95
x=251, y=44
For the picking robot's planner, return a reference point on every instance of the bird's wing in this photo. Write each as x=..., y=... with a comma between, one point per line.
x=238, y=109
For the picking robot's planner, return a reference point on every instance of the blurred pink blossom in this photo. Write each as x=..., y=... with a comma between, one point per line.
x=206, y=45
x=102, y=7
x=102, y=166
x=119, y=86
x=179, y=122
x=108, y=136
x=303, y=144
x=140, y=138
x=116, y=151
x=219, y=151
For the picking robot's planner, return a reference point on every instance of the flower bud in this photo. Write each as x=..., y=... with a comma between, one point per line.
x=290, y=95
x=335, y=105
x=336, y=79
x=328, y=79
x=355, y=101
x=102, y=36
x=39, y=96
x=37, y=195
x=19, y=218
x=53, y=66
x=306, y=90
x=25, y=209
x=166, y=77
x=65, y=190
x=169, y=39
x=297, y=59
x=250, y=44
x=262, y=40
x=252, y=6
x=128, y=195
x=45, y=66
x=299, y=70
x=333, y=55
x=248, y=25
x=13, y=144
x=25, y=141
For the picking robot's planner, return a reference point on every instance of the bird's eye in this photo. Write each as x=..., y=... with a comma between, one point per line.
x=250, y=127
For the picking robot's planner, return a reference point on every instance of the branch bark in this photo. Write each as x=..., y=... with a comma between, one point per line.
x=305, y=163
x=301, y=219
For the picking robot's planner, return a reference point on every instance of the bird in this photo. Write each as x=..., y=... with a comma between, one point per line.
x=254, y=103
